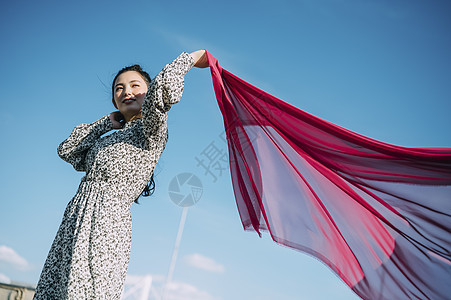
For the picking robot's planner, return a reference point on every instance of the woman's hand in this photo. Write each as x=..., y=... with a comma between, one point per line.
x=200, y=58
x=117, y=119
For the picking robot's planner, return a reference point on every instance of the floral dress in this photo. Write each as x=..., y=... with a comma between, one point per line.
x=90, y=254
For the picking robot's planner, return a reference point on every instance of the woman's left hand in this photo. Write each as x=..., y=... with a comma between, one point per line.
x=200, y=59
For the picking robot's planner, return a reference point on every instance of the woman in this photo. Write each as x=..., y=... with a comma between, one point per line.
x=90, y=254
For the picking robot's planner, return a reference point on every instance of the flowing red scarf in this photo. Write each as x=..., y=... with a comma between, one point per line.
x=377, y=214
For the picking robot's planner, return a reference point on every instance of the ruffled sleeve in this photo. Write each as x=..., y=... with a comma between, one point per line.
x=73, y=150
x=165, y=90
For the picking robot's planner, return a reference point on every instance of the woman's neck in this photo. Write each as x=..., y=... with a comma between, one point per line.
x=135, y=117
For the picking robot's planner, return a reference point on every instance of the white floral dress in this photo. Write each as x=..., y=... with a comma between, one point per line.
x=90, y=254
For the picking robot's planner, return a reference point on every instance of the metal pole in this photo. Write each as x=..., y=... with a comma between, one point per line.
x=175, y=253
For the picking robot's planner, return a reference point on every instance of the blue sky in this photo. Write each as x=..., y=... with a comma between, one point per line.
x=380, y=68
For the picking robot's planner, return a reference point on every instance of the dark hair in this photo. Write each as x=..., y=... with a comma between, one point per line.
x=150, y=187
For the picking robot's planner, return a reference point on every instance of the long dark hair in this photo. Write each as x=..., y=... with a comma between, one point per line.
x=150, y=187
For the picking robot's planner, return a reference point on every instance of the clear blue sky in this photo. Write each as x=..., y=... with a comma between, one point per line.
x=380, y=68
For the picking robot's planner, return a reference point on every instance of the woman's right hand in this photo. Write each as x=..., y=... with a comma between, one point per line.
x=117, y=119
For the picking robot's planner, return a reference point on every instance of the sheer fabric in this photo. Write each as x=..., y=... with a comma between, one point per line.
x=377, y=214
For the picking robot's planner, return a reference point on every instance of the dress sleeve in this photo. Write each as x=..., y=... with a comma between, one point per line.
x=73, y=150
x=164, y=90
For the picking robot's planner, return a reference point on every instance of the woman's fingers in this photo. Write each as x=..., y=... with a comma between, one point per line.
x=117, y=119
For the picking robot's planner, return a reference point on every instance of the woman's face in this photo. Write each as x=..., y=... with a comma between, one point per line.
x=129, y=93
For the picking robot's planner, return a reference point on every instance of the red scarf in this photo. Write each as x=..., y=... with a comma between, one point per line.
x=378, y=215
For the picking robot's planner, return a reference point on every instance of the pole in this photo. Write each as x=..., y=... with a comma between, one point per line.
x=175, y=253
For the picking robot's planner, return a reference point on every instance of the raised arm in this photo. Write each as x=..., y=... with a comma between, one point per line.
x=73, y=150
x=165, y=90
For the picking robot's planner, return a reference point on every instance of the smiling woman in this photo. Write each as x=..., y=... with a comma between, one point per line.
x=129, y=90
x=90, y=254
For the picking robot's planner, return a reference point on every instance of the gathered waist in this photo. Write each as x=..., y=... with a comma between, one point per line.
x=88, y=187
x=127, y=193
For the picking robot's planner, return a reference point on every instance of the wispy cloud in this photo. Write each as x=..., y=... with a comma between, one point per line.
x=185, y=291
x=195, y=42
x=151, y=286
x=229, y=56
x=10, y=257
x=4, y=278
x=205, y=263
x=190, y=43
